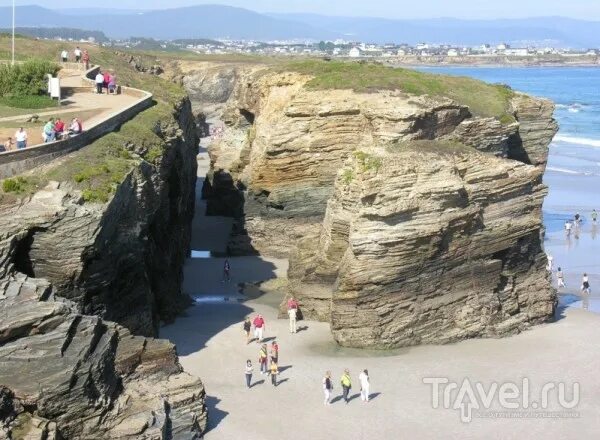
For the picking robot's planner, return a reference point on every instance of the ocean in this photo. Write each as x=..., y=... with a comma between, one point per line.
x=573, y=171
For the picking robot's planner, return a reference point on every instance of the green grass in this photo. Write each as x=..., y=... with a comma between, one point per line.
x=32, y=102
x=368, y=161
x=483, y=99
x=99, y=168
x=18, y=185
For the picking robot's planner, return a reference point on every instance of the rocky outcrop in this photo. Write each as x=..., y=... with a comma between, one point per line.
x=407, y=219
x=69, y=376
x=122, y=260
x=427, y=242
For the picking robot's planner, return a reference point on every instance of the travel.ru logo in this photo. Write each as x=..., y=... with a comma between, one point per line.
x=504, y=400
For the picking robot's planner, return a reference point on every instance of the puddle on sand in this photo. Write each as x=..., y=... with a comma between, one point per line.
x=583, y=302
x=331, y=348
x=201, y=254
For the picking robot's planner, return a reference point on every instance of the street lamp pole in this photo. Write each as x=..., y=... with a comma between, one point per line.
x=13, y=32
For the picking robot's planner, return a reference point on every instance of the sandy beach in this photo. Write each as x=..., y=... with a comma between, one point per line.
x=211, y=345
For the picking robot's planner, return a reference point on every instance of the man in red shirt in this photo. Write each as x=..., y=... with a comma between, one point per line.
x=259, y=327
x=59, y=128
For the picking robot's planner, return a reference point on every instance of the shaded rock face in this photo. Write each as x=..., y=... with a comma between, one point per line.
x=122, y=261
x=69, y=376
x=407, y=220
x=427, y=247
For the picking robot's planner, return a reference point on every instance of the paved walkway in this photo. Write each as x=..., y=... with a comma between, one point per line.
x=92, y=108
x=211, y=345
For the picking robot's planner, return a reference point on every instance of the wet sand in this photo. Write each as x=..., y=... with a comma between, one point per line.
x=211, y=345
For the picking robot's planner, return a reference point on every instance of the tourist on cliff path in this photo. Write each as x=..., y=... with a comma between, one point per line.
x=59, y=128
x=249, y=370
x=262, y=359
x=48, y=133
x=365, y=386
x=247, y=328
x=8, y=145
x=99, y=82
x=585, y=284
x=21, y=138
x=259, y=328
x=274, y=352
x=64, y=56
x=107, y=78
x=274, y=372
x=112, y=84
x=560, y=278
x=327, y=388
x=226, y=271
x=77, y=53
x=346, y=385
x=86, y=59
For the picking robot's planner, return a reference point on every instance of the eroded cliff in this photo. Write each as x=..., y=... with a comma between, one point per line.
x=91, y=262
x=409, y=204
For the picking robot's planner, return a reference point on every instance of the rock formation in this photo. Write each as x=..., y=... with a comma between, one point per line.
x=71, y=376
x=68, y=269
x=408, y=219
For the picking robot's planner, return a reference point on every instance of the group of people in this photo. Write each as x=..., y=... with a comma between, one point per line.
x=55, y=130
x=268, y=358
x=20, y=139
x=576, y=223
x=346, y=383
x=81, y=56
x=585, y=281
x=106, y=80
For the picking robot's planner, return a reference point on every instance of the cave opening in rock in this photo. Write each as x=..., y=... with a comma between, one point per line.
x=22, y=259
x=248, y=116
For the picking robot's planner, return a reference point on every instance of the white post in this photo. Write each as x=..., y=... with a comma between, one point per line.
x=13, y=32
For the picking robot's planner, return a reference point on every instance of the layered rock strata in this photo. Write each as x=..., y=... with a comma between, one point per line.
x=71, y=376
x=407, y=219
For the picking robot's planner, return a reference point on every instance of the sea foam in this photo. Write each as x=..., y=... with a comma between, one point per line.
x=578, y=140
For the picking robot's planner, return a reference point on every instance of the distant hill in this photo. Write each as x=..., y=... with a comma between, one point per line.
x=58, y=32
x=215, y=21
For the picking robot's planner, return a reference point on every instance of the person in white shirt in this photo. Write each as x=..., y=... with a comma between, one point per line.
x=99, y=82
x=65, y=56
x=560, y=278
x=21, y=138
x=363, y=378
x=550, y=265
x=77, y=53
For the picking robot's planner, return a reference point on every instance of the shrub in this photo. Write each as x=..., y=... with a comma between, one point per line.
x=28, y=78
x=16, y=185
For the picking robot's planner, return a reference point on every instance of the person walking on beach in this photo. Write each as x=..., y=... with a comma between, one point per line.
x=585, y=284
x=560, y=278
x=259, y=328
x=292, y=314
x=226, y=271
x=249, y=370
x=21, y=138
x=327, y=388
x=594, y=216
x=549, y=266
x=577, y=220
x=274, y=372
x=365, y=386
x=568, y=226
x=274, y=352
x=262, y=359
x=346, y=382
x=247, y=329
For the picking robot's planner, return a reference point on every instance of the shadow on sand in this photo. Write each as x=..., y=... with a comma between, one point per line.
x=215, y=415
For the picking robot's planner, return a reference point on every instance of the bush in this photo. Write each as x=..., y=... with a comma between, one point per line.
x=28, y=78
x=16, y=185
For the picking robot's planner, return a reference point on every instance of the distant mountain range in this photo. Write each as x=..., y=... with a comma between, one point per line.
x=216, y=21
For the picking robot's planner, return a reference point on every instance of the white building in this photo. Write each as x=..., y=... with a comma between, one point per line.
x=354, y=52
x=452, y=53
x=517, y=52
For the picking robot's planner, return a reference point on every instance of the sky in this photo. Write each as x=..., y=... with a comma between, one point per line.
x=586, y=9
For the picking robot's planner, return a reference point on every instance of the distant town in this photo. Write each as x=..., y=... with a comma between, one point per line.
x=422, y=52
